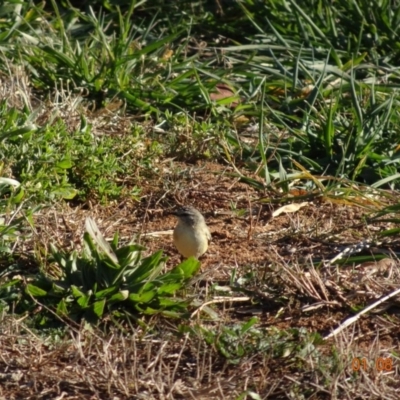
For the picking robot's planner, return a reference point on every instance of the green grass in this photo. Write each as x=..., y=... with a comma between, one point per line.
x=336, y=102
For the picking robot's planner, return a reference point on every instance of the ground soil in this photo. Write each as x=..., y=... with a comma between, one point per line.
x=278, y=252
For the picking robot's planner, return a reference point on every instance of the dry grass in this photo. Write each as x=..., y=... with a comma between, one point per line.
x=275, y=265
x=156, y=362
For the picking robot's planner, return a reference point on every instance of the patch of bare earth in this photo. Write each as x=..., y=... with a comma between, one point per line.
x=275, y=258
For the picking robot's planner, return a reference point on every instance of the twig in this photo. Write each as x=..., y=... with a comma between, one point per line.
x=357, y=316
x=219, y=300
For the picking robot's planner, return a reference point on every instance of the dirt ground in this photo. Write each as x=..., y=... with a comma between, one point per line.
x=284, y=260
x=245, y=236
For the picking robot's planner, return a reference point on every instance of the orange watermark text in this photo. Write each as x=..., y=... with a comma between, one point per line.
x=381, y=364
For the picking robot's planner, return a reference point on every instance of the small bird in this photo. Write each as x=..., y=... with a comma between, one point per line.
x=191, y=234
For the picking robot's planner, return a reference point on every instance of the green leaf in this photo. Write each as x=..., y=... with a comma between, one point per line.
x=76, y=292
x=248, y=325
x=35, y=291
x=88, y=274
x=114, y=243
x=390, y=232
x=147, y=310
x=171, y=301
x=120, y=296
x=386, y=180
x=143, y=297
x=10, y=283
x=105, y=292
x=169, y=288
x=184, y=270
x=59, y=56
x=98, y=238
x=15, y=133
x=18, y=196
x=171, y=314
x=149, y=268
x=98, y=307
x=62, y=308
x=65, y=192
x=82, y=299
x=64, y=164
x=129, y=254
x=58, y=289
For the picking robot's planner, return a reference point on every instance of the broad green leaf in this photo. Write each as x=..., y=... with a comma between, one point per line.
x=120, y=296
x=147, y=310
x=76, y=292
x=106, y=292
x=64, y=164
x=150, y=268
x=83, y=301
x=184, y=270
x=81, y=298
x=98, y=307
x=128, y=254
x=62, y=308
x=114, y=243
x=169, y=288
x=144, y=297
x=18, y=196
x=35, y=291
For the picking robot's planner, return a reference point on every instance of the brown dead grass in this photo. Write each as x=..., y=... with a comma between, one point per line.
x=287, y=291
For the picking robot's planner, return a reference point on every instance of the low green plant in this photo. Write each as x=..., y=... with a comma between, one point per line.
x=52, y=162
x=12, y=219
x=105, y=278
x=245, y=339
